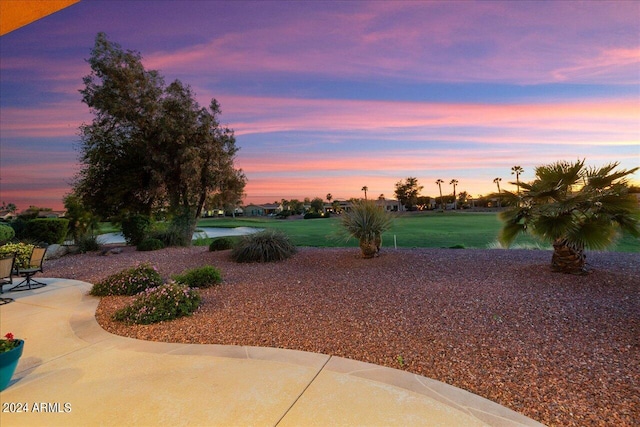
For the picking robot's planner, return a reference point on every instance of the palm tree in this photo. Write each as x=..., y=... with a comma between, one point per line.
x=497, y=182
x=574, y=208
x=329, y=197
x=440, y=182
x=454, y=182
x=365, y=189
x=517, y=170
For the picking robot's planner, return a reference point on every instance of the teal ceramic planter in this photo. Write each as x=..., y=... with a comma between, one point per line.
x=8, y=363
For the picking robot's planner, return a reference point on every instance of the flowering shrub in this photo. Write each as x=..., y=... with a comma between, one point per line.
x=22, y=251
x=8, y=343
x=202, y=277
x=128, y=282
x=166, y=302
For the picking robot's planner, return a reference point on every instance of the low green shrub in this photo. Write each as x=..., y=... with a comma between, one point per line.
x=21, y=250
x=134, y=229
x=128, y=282
x=19, y=226
x=166, y=302
x=47, y=230
x=168, y=236
x=315, y=215
x=264, y=246
x=150, y=244
x=6, y=233
x=202, y=277
x=221, y=244
x=87, y=243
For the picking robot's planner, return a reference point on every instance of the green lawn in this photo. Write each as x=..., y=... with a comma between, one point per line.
x=423, y=230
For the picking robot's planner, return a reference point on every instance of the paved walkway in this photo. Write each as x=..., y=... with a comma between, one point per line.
x=73, y=373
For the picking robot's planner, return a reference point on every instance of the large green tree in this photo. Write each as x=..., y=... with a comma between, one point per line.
x=150, y=146
x=407, y=192
x=573, y=207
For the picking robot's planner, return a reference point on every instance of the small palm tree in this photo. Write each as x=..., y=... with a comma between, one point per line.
x=329, y=197
x=365, y=189
x=574, y=208
x=366, y=222
x=454, y=182
x=497, y=182
x=517, y=170
x=440, y=182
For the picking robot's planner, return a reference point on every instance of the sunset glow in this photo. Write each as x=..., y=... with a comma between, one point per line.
x=328, y=97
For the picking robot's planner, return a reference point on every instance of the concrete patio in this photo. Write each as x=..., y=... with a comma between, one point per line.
x=73, y=373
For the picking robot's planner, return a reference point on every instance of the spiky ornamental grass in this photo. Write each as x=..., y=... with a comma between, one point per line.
x=366, y=221
x=265, y=246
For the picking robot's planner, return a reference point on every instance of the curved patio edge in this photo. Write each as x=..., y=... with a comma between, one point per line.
x=284, y=387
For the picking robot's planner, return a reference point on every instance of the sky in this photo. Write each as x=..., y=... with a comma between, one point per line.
x=328, y=97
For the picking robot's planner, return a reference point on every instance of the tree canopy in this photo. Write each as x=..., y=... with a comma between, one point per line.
x=150, y=146
x=407, y=192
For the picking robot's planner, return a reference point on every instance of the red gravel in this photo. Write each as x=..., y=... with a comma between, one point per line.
x=561, y=349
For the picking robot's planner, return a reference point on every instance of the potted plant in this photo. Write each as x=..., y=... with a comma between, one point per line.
x=10, y=352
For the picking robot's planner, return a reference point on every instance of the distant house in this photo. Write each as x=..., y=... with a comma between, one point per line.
x=6, y=215
x=346, y=205
x=390, y=205
x=212, y=213
x=262, y=210
x=52, y=214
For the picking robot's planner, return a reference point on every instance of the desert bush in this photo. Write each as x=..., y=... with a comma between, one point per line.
x=128, y=282
x=264, y=246
x=167, y=235
x=6, y=233
x=366, y=222
x=21, y=250
x=134, y=229
x=150, y=244
x=47, y=230
x=87, y=243
x=19, y=226
x=221, y=244
x=166, y=302
x=316, y=215
x=202, y=277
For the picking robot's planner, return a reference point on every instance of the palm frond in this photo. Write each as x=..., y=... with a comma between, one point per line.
x=509, y=232
x=593, y=233
x=550, y=228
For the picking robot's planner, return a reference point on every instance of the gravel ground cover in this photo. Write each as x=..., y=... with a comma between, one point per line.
x=561, y=349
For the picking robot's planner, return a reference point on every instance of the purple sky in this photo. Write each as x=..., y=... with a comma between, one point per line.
x=327, y=97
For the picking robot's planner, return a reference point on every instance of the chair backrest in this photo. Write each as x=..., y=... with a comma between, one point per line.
x=37, y=257
x=6, y=269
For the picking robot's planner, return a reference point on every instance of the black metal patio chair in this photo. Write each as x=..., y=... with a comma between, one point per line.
x=6, y=275
x=36, y=260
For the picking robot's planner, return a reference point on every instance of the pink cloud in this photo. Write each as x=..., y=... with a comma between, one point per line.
x=431, y=41
x=260, y=115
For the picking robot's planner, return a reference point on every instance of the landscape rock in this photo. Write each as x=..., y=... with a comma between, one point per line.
x=56, y=251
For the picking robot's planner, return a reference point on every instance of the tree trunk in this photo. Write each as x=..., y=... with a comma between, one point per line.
x=183, y=226
x=568, y=258
x=368, y=248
